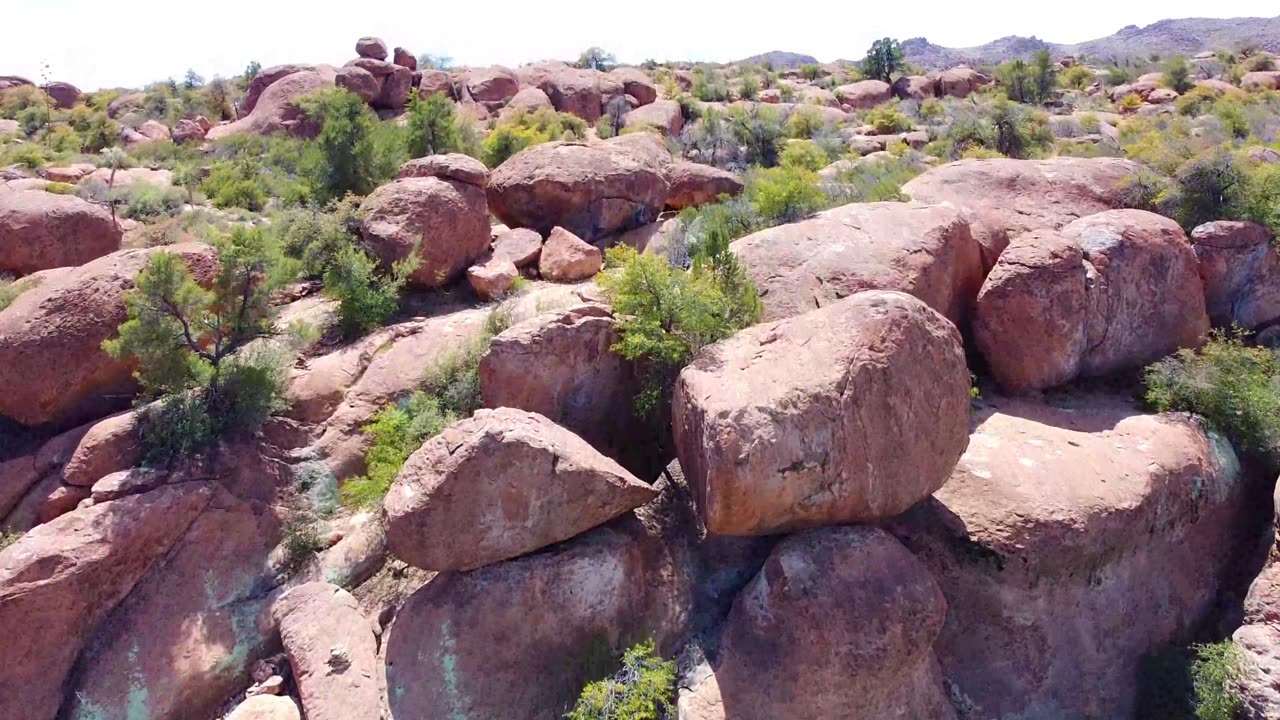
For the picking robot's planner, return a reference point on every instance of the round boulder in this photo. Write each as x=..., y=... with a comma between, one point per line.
x=40, y=230
x=371, y=47
x=359, y=81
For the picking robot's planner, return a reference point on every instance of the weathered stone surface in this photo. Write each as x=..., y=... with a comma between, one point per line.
x=266, y=707
x=372, y=47
x=493, y=278
x=927, y=252
x=40, y=230
x=1240, y=269
x=111, y=445
x=61, y=579
x=452, y=166
x=565, y=257
x=865, y=94
x=332, y=650
x=636, y=84
x=694, y=184
x=205, y=602
x=664, y=115
x=501, y=484
x=1004, y=198
x=839, y=623
x=66, y=317
x=359, y=81
x=590, y=190
x=274, y=111
x=1071, y=542
x=849, y=413
x=521, y=246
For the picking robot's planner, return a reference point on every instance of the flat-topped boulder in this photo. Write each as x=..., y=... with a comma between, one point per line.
x=41, y=230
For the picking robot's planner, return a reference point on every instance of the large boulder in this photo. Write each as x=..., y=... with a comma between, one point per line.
x=849, y=413
x=491, y=87
x=566, y=257
x=260, y=82
x=396, y=87
x=371, y=47
x=1073, y=542
x=959, y=82
x=40, y=230
x=913, y=87
x=581, y=383
x=580, y=92
x=443, y=214
x=1031, y=315
x=332, y=651
x=865, y=94
x=64, y=94
x=694, y=184
x=1261, y=80
x=1004, y=198
x=436, y=82
x=111, y=445
x=1145, y=295
x=1258, y=643
x=529, y=99
x=839, y=623
x=925, y=251
x=592, y=191
x=1240, y=269
x=274, y=111
x=206, y=602
x=52, y=364
x=499, y=485
x=665, y=115
x=636, y=84
x=359, y=81
x=266, y=707
x=59, y=581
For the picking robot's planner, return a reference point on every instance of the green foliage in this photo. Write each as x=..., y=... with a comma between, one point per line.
x=1208, y=187
x=251, y=70
x=1116, y=75
x=883, y=59
x=1020, y=133
x=1213, y=673
x=1177, y=75
x=708, y=86
x=366, y=297
x=596, y=58
x=872, y=182
x=10, y=289
x=24, y=97
x=315, y=236
x=506, y=140
x=804, y=154
x=748, y=87
x=8, y=538
x=61, y=139
x=27, y=154
x=236, y=184
x=1235, y=387
x=643, y=689
x=1230, y=113
x=758, y=128
x=524, y=129
x=1028, y=82
x=804, y=123
x=347, y=161
x=1076, y=77
x=301, y=540
x=433, y=126
x=449, y=392
x=1261, y=202
x=888, y=120
x=144, y=201
x=810, y=72
x=784, y=194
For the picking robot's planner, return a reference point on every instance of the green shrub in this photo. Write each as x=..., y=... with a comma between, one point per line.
x=1177, y=75
x=27, y=154
x=236, y=183
x=1261, y=202
x=748, y=87
x=315, y=236
x=1076, y=77
x=1116, y=75
x=144, y=201
x=708, y=87
x=1020, y=133
x=1028, y=82
x=810, y=72
x=596, y=58
x=60, y=188
x=883, y=59
x=804, y=123
x=62, y=139
x=10, y=289
x=1235, y=387
x=1209, y=187
x=887, y=120
x=872, y=182
x=804, y=154
x=346, y=161
x=366, y=297
x=507, y=140
x=785, y=194
x=1230, y=112
x=643, y=689
x=433, y=126
x=301, y=540
x=759, y=129
x=1213, y=673
x=1196, y=101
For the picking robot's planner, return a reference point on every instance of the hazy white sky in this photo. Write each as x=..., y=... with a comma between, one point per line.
x=94, y=43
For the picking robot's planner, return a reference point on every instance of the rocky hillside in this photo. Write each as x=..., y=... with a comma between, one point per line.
x=383, y=391
x=1186, y=36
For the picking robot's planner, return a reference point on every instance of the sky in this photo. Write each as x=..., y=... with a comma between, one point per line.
x=94, y=44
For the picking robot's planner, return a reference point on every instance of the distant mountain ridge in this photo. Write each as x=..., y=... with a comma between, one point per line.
x=779, y=59
x=1185, y=36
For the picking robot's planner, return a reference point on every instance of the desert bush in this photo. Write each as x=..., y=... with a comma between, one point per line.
x=432, y=126
x=1234, y=386
x=506, y=140
x=595, y=58
x=1020, y=133
x=187, y=344
x=146, y=202
x=449, y=392
x=60, y=188
x=748, y=87
x=804, y=123
x=1145, y=190
x=888, y=120
x=784, y=194
x=871, y=182
x=883, y=60
x=1028, y=82
x=1197, y=101
x=366, y=297
x=1259, y=63
x=1231, y=113
x=1130, y=103
x=164, y=153
x=1116, y=75
x=1261, y=201
x=1213, y=674
x=15, y=100
x=1177, y=75
x=758, y=128
x=61, y=139
x=1076, y=77
x=316, y=235
x=347, y=159
x=804, y=154
x=644, y=688
x=27, y=154
x=301, y=540
x=523, y=129
x=613, y=119
x=236, y=183
x=708, y=86
x=1209, y=187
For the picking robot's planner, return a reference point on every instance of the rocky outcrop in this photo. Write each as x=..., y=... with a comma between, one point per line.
x=865, y=94
x=67, y=316
x=493, y=278
x=274, y=111
x=442, y=214
x=502, y=484
x=580, y=92
x=1053, y=598
x=695, y=184
x=927, y=252
x=850, y=413
x=1004, y=198
x=592, y=191
x=1240, y=269
x=664, y=115
x=40, y=230
x=332, y=651
x=111, y=445
x=635, y=83
x=839, y=623
x=566, y=258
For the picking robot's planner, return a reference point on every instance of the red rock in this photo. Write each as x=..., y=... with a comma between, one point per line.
x=67, y=316
x=493, y=278
x=274, y=112
x=865, y=94
x=371, y=47
x=405, y=59
x=111, y=445
x=695, y=184
x=129, y=101
x=436, y=81
x=446, y=219
x=264, y=79
x=491, y=87
x=529, y=99
x=60, y=502
x=913, y=87
x=395, y=89
x=453, y=166
x=266, y=707
x=664, y=115
x=359, y=81
x=959, y=82
x=1258, y=81
x=925, y=251
x=566, y=258
x=580, y=92
x=1030, y=318
x=1240, y=269
x=64, y=94
x=41, y=230
x=1057, y=591
x=1145, y=296
x=849, y=413
x=636, y=84
x=592, y=191
x=522, y=247
x=839, y=623
x=332, y=650
x=205, y=602
x=154, y=130
x=61, y=579
x=502, y=484
x=189, y=131
x=17, y=476
x=1004, y=198
x=70, y=174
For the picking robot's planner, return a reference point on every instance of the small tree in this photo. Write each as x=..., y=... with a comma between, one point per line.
x=112, y=157
x=346, y=161
x=883, y=59
x=187, y=177
x=433, y=126
x=251, y=70
x=192, y=80
x=759, y=128
x=1046, y=76
x=1177, y=75
x=643, y=689
x=427, y=61
x=365, y=297
x=596, y=58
